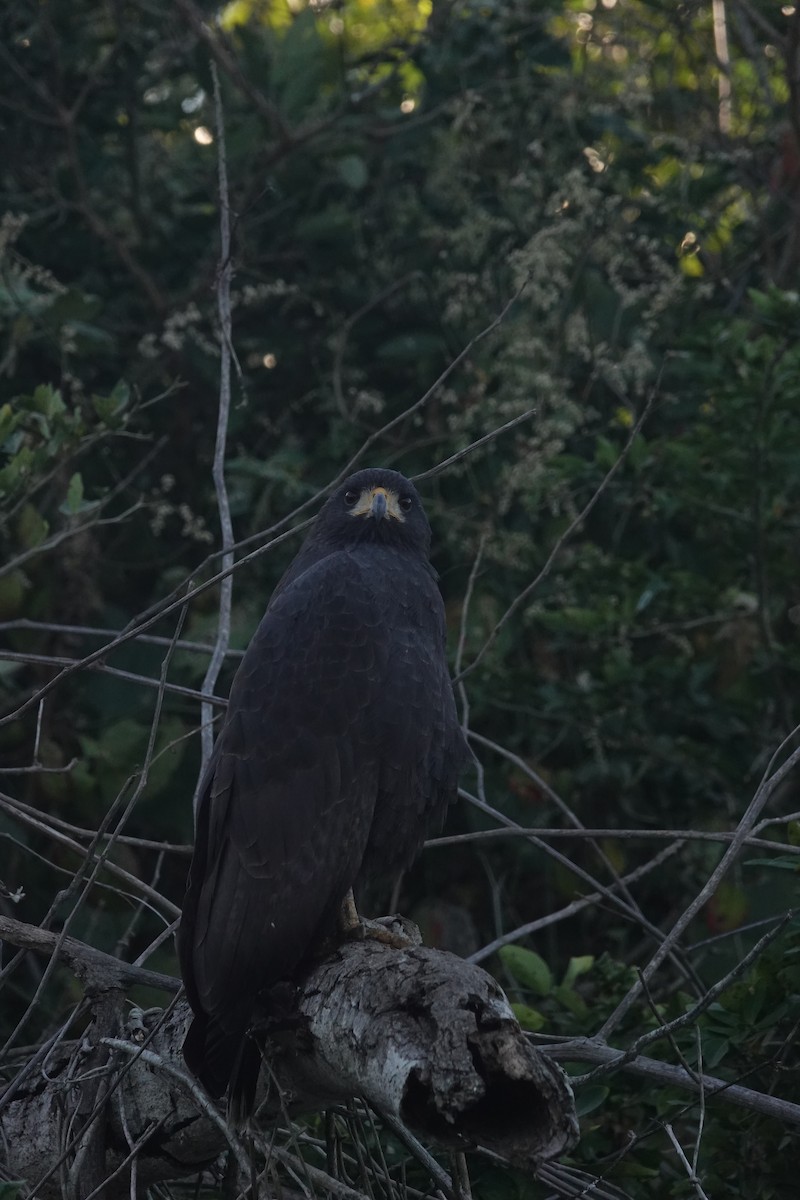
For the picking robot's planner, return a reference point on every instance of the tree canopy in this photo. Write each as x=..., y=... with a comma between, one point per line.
x=552, y=246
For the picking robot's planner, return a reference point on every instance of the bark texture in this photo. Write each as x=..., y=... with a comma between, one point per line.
x=420, y=1034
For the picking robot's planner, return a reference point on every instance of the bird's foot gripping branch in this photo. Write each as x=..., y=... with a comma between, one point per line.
x=397, y=931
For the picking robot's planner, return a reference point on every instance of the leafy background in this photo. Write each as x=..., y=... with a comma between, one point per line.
x=399, y=170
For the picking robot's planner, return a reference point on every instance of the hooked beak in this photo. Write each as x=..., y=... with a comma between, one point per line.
x=380, y=503
x=378, y=506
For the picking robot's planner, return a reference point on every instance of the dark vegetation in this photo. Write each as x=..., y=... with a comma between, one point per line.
x=398, y=172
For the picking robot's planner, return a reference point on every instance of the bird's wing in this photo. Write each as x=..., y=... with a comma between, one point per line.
x=423, y=746
x=288, y=798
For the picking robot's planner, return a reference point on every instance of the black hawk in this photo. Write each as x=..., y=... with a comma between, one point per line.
x=340, y=749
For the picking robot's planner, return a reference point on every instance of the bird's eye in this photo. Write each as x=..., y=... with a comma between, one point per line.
x=405, y=503
x=350, y=497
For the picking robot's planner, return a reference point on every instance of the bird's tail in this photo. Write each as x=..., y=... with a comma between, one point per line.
x=225, y=1057
x=244, y=1081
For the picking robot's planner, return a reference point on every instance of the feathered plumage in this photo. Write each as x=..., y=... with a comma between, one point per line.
x=339, y=750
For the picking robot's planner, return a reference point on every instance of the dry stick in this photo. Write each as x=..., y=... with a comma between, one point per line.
x=562, y=806
x=113, y=1087
x=59, y=660
x=130, y=1158
x=137, y=885
x=592, y=1050
x=784, y=820
x=317, y=1176
x=388, y=1183
x=695, y=1182
x=579, y=1184
x=41, y=1053
x=99, y=859
x=92, y=522
x=204, y=1103
x=658, y=835
x=63, y=536
x=765, y=790
x=218, y=472
x=94, y=662
x=701, y=1122
x=90, y=965
x=462, y=633
x=575, y=906
x=219, y=49
x=418, y=1151
x=99, y=631
x=156, y=942
x=461, y=1175
x=180, y=596
x=632, y=911
x=517, y=603
x=158, y=903
x=133, y=632
x=473, y=446
x=76, y=831
x=691, y=1014
x=125, y=938
x=349, y=325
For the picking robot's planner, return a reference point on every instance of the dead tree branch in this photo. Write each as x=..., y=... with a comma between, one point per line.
x=421, y=1035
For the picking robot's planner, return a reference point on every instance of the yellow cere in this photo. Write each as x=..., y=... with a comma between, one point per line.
x=364, y=506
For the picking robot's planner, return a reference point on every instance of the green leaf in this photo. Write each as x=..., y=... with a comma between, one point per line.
x=299, y=66
x=112, y=406
x=528, y=968
x=48, y=401
x=714, y=1050
x=782, y=863
x=74, y=500
x=605, y=453
x=353, y=171
x=571, y=1001
x=577, y=967
x=13, y=587
x=11, y=1188
x=409, y=347
x=32, y=528
x=590, y=1098
x=8, y=422
x=529, y=1018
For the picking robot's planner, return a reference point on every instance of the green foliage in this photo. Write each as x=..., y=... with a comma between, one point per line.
x=398, y=171
x=528, y=969
x=10, y=1189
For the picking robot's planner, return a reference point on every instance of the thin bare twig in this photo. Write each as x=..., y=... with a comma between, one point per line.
x=572, y=908
x=85, y=961
x=277, y=533
x=224, y=276
x=766, y=789
x=695, y=1182
x=591, y=1050
x=101, y=631
x=644, y=835
x=575, y=524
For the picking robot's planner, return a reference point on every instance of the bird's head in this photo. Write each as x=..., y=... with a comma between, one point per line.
x=376, y=505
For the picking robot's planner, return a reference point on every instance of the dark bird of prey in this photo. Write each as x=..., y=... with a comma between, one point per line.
x=339, y=751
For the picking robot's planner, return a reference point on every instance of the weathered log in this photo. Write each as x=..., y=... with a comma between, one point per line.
x=419, y=1034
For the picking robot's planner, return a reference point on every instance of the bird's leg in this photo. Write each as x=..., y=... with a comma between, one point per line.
x=349, y=920
x=396, y=931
